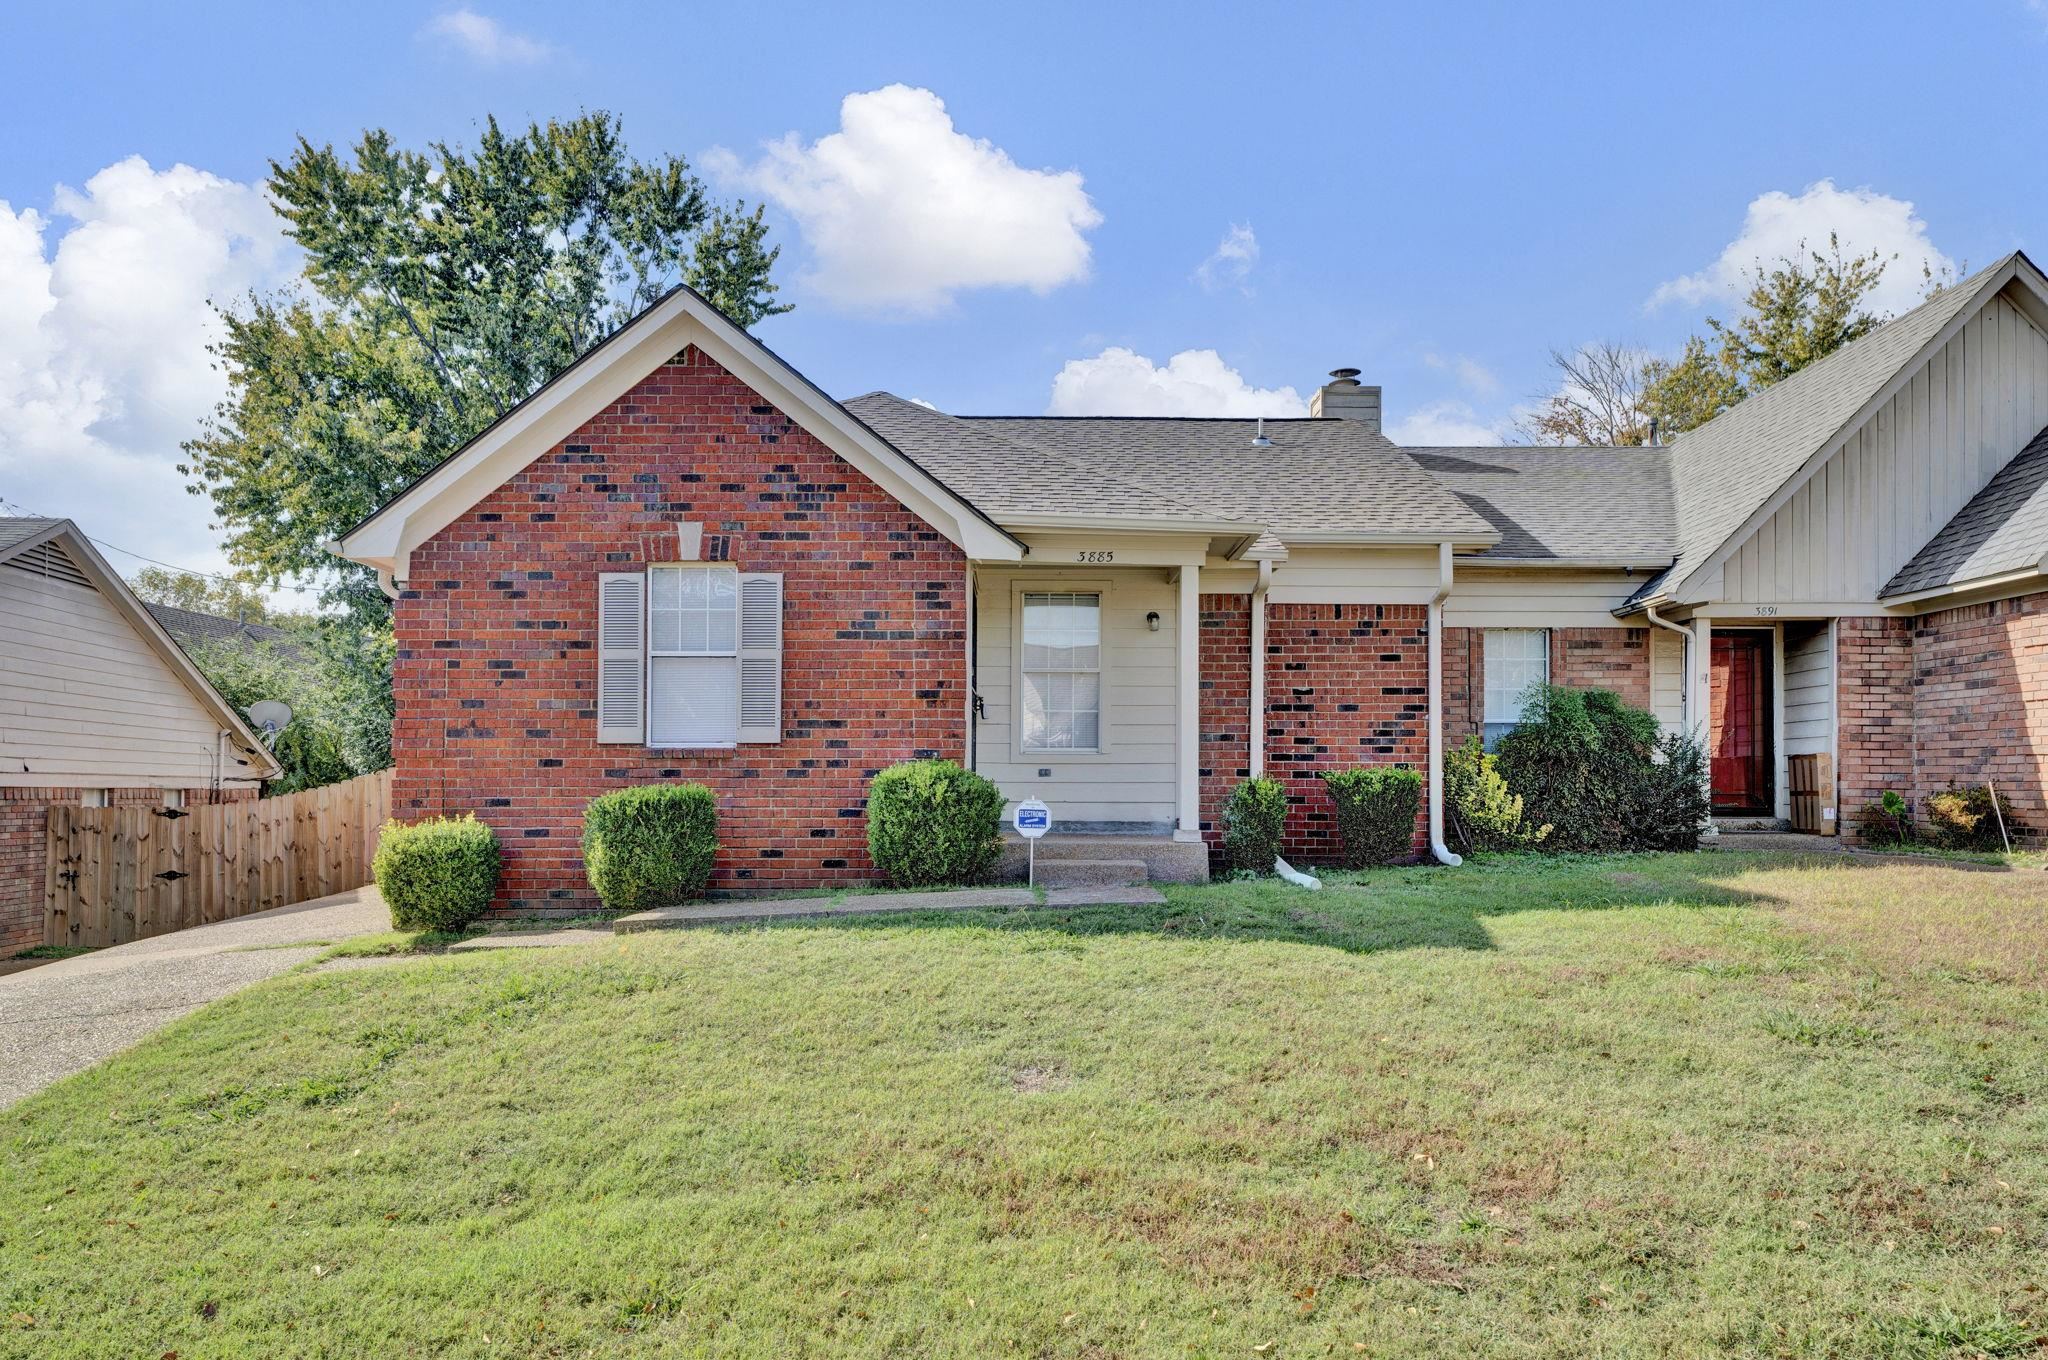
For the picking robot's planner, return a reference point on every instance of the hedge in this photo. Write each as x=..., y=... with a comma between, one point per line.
x=1375, y=812
x=1253, y=822
x=932, y=822
x=436, y=874
x=650, y=846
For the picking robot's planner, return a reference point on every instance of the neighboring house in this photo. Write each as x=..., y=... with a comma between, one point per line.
x=681, y=560
x=98, y=706
x=192, y=629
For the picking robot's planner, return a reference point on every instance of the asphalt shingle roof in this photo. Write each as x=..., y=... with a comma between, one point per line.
x=189, y=626
x=2003, y=528
x=19, y=528
x=1729, y=467
x=1597, y=506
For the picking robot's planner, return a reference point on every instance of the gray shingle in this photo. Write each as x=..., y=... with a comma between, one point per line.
x=2004, y=528
x=20, y=528
x=1601, y=506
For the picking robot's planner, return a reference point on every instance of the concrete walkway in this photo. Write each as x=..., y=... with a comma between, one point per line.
x=65, y=1016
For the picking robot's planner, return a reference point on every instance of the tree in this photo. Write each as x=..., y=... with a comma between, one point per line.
x=439, y=289
x=1599, y=399
x=221, y=596
x=336, y=675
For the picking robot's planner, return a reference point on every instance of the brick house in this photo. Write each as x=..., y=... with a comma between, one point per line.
x=99, y=707
x=681, y=560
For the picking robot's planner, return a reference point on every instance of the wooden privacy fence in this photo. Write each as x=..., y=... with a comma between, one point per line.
x=127, y=873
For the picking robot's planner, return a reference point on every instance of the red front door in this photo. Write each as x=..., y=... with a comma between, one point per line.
x=1741, y=701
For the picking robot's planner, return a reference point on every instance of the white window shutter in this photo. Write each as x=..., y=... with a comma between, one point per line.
x=621, y=656
x=761, y=657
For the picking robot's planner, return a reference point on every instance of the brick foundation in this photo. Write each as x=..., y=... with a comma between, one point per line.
x=496, y=670
x=24, y=847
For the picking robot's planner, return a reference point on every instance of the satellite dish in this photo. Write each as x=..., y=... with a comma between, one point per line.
x=270, y=718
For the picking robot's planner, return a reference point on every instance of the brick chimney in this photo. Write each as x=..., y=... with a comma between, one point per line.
x=1341, y=398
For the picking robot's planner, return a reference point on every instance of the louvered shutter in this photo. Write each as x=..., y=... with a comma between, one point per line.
x=621, y=656
x=761, y=657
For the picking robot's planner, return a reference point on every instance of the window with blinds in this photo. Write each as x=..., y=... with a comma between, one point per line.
x=1516, y=660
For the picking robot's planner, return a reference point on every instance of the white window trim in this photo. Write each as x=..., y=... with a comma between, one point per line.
x=648, y=655
x=1060, y=585
x=1486, y=687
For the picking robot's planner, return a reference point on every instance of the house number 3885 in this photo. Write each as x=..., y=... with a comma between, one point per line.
x=1097, y=555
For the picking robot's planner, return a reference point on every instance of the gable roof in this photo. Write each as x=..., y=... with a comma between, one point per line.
x=1731, y=472
x=27, y=543
x=678, y=319
x=2003, y=530
x=191, y=626
x=1321, y=479
x=1553, y=505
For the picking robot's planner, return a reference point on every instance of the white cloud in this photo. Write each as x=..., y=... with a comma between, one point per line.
x=902, y=212
x=1195, y=382
x=486, y=40
x=1449, y=423
x=104, y=327
x=1230, y=264
x=1472, y=375
x=1777, y=223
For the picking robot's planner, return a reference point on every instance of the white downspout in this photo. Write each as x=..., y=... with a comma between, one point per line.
x=1443, y=852
x=1258, y=730
x=1686, y=698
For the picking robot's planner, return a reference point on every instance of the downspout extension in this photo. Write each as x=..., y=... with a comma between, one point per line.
x=1444, y=854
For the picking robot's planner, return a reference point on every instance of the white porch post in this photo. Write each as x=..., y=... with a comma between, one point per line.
x=1699, y=702
x=1188, y=638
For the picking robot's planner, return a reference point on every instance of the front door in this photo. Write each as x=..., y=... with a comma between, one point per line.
x=1741, y=694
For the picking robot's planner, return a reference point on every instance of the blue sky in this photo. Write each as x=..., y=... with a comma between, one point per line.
x=1438, y=195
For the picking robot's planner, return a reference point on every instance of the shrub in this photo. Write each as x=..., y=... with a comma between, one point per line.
x=1483, y=813
x=1599, y=773
x=650, y=846
x=1375, y=812
x=436, y=874
x=932, y=822
x=1967, y=818
x=1253, y=821
x=1885, y=821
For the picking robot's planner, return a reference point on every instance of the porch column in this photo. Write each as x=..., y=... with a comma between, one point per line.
x=1699, y=701
x=1188, y=762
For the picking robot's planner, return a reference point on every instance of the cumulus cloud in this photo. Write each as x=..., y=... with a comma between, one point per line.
x=1230, y=264
x=1472, y=375
x=484, y=39
x=1777, y=223
x=1195, y=382
x=1447, y=423
x=902, y=212
x=104, y=327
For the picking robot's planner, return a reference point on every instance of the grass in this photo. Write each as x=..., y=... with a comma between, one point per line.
x=1673, y=1106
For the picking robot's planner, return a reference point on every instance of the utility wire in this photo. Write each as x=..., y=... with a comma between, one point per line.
x=16, y=508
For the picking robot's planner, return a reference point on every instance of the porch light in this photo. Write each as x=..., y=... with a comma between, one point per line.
x=1152, y=620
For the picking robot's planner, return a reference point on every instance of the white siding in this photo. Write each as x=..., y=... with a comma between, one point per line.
x=1133, y=779
x=84, y=700
x=1483, y=597
x=1809, y=689
x=1905, y=474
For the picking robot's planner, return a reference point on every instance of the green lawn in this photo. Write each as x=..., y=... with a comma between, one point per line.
x=1683, y=1106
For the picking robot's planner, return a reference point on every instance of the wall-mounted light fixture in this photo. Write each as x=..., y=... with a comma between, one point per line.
x=1152, y=620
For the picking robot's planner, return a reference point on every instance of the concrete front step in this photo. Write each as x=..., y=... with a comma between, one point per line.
x=1091, y=873
x=1744, y=825
x=1164, y=859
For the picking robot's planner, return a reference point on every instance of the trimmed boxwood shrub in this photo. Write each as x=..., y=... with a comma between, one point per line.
x=1375, y=812
x=932, y=822
x=1253, y=821
x=650, y=846
x=436, y=874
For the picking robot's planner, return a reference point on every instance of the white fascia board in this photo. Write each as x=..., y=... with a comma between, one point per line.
x=1998, y=582
x=1119, y=524
x=1325, y=537
x=1350, y=594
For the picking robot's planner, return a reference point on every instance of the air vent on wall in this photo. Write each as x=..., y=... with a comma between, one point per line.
x=47, y=559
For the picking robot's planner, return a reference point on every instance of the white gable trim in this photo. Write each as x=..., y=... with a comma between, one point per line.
x=2032, y=300
x=262, y=765
x=579, y=393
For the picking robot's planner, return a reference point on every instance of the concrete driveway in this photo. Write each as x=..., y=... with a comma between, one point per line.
x=65, y=1016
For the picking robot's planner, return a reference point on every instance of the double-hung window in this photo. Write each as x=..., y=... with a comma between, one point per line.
x=1516, y=659
x=1062, y=671
x=693, y=645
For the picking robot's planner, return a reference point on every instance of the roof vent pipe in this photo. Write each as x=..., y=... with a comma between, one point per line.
x=1259, y=440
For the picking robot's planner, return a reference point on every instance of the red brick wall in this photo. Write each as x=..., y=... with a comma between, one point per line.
x=24, y=846
x=1615, y=659
x=496, y=668
x=1346, y=685
x=1980, y=697
x=1226, y=696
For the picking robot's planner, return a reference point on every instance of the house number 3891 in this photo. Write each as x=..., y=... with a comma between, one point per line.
x=1097, y=555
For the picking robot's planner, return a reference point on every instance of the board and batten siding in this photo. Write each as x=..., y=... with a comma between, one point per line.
x=1809, y=689
x=1132, y=780
x=85, y=701
x=1915, y=463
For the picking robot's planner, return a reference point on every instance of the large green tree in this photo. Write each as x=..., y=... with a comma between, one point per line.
x=440, y=287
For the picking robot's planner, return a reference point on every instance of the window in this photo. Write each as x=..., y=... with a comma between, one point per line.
x=1516, y=658
x=1062, y=672
x=693, y=682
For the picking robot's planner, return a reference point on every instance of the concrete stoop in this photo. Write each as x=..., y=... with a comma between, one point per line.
x=1086, y=859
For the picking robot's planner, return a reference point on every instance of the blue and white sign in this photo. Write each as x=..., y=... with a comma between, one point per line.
x=1033, y=819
